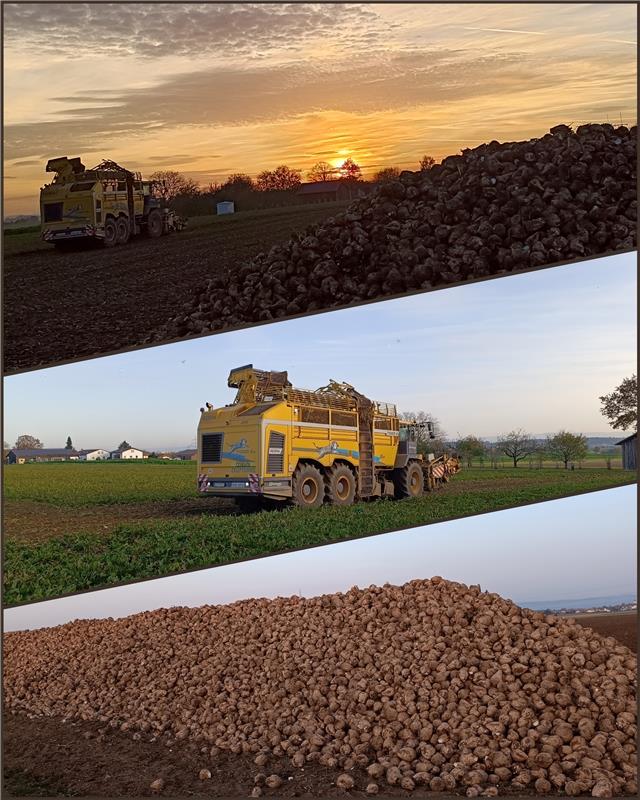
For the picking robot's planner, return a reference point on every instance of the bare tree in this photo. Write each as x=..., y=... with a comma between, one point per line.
x=322, y=171
x=170, y=184
x=350, y=170
x=426, y=444
x=28, y=442
x=239, y=180
x=567, y=447
x=282, y=178
x=517, y=445
x=620, y=407
x=387, y=174
x=426, y=162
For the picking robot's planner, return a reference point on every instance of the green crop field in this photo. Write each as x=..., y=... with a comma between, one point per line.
x=137, y=550
x=77, y=484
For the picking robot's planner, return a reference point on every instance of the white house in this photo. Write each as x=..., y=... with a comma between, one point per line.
x=130, y=452
x=93, y=454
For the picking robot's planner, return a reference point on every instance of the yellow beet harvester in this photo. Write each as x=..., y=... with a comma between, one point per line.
x=333, y=445
x=107, y=204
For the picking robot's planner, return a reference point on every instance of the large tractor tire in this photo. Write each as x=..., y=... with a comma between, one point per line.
x=110, y=233
x=341, y=486
x=123, y=232
x=409, y=481
x=155, y=225
x=308, y=487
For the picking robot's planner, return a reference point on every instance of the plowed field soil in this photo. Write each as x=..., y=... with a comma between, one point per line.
x=61, y=306
x=51, y=757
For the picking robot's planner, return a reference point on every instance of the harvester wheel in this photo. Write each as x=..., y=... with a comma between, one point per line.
x=341, y=486
x=110, y=232
x=308, y=487
x=122, y=230
x=409, y=481
x=154, y=224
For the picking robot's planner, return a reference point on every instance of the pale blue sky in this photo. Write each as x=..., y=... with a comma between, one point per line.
x=532, y=351
x=564, y=549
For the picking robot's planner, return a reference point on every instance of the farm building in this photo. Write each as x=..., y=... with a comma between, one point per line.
x=41, y=454
x=187, y=455
x=93, y=454
x=129, y=453
x=629, y=451
x=327, y=191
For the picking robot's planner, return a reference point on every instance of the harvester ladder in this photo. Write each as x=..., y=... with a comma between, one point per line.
x=366, y=477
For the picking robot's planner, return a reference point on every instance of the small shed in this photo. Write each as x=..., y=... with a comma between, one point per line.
x=629, y=451
x=226, y=207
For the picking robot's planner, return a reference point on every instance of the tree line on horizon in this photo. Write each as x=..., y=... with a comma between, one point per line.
x=619, y=407
x=275, y=187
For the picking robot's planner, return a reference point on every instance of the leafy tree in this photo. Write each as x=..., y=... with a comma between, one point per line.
x=426, y=162
x=124, y=445
x=387, y=174
x=213, y=187
x=471, y=448
x=170, y=184
x=322, y=171
x=517, y=445
x=69, y=444
x=28, y=442
x=282, y=178
x=566, y=447
x=621, y=406
x=350, y=171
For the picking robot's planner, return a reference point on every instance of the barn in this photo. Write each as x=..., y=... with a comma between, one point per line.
x=326, y=191
x=40, y=454
x=629, y=451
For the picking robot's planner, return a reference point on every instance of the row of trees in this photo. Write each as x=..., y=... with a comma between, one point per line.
x=281, y=183
x=517, y=445
x=619, y=407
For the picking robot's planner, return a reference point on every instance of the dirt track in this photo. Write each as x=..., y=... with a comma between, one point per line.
x=61, y=306
x=31, y=521
x=48, y=757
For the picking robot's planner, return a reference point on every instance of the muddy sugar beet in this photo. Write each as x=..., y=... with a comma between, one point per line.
x=498, y=208
x=432, y=684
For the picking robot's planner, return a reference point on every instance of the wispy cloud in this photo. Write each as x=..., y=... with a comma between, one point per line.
x=505, y=30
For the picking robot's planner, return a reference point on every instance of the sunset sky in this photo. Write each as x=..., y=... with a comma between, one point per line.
x=214, y=89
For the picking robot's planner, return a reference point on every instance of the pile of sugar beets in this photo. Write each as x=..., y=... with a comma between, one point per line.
x=497, y=208
x=432, y=684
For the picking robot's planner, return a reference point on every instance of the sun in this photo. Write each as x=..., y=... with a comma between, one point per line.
x=340, y=158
